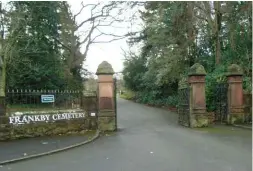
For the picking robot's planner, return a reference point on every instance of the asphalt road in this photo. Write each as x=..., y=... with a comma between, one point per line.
x=15, y=149
x=149, y=139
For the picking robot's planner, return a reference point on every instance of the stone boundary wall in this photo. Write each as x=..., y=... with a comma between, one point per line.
x=41, y=124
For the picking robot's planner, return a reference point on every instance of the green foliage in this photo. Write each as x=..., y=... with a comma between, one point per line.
x=34, y=55
x=152, y=99
x=177, y=35
x=154, y=74
x=247, y=84
x=33, y=52
x=217, y=76
x=128, y=95
x=172, y=100
x=133, y=73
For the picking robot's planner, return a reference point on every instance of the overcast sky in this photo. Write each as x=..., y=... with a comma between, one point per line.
x=110, y=52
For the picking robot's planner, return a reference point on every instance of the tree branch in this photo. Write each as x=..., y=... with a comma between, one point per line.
x=83, y=6
x=110, y=34
x=89, y=34
x=109, y=40
x=209, y=18
x=92, y=18
x=85, y=21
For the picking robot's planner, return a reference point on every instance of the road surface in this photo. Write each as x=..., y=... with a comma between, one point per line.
x=149, y=139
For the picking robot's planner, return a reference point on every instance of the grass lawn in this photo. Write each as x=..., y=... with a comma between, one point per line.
x=128, y=95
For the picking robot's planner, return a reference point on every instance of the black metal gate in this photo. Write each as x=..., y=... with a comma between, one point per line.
x=115, y=102
x=221, y=102
x=184, y=106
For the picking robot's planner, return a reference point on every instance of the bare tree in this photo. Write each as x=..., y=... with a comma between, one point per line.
x=92, y=30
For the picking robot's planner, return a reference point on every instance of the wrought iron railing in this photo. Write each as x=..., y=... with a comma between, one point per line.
x=184, y=106
x=20, y=100
x=221, y=102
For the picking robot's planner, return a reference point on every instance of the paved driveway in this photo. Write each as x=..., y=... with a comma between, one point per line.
x=149, y=139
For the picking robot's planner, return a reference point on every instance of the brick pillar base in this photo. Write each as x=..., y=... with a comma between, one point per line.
x=106, y=122
x=199, y=118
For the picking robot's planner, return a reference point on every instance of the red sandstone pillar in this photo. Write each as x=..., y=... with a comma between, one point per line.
x=106, y=103
x=196, y=80
x=235, y=95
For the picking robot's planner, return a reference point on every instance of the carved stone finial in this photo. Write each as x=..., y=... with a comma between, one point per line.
x=105, y=68
x=197, y=69
x=234, y=69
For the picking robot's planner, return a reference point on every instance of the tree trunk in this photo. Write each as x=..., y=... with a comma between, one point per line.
x=190, y=31
x=217, y=50
x=217, y=6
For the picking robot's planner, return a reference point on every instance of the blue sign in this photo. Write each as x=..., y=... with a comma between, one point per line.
x=47, y=98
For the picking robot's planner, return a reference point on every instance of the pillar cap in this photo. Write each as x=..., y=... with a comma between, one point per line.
x=197, y=69
x=234, y=70
x=105, y=69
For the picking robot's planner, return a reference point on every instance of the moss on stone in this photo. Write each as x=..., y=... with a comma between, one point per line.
x=4, y=120
x=183, y=83
x=107, y=123
x=237, y=119
x=63, y=127
x=203, y=122
x=199, y=121
x=197, y=69
x=93, y=123
x=109, y=113
x=234, y=69
x=105, y=68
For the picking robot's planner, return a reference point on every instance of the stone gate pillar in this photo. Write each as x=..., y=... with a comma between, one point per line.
x=196, y=80
x=235, y=95
x=106, y=106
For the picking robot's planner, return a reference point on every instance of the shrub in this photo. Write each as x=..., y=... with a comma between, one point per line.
x=172, y=100
x=247, y=84
x=128, y=95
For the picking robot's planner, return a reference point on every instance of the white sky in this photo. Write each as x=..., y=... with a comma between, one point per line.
x=110, y=52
